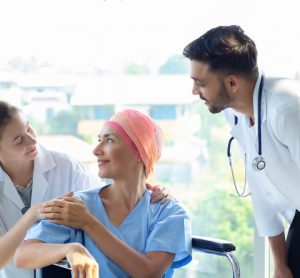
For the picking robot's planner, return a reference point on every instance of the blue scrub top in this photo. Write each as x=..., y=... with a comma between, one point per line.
x=149, y=227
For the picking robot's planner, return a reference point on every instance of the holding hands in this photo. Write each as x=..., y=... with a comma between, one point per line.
x=67, y=211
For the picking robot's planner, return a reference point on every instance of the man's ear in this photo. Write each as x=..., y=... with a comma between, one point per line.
x=232, y=83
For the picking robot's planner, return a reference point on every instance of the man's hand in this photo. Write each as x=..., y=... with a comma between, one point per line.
x=283, y=273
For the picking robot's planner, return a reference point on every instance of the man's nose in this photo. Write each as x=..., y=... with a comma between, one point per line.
x=195, y=90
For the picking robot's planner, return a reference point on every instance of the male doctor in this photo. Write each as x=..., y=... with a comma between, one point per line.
x=265, y=119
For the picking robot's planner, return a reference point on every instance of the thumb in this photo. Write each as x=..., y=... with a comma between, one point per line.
x=151, y=187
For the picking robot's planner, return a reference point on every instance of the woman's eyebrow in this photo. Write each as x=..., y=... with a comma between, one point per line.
x=107, y=135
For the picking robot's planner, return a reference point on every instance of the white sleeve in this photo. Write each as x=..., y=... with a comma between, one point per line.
x=2, y=229
x=83, y=178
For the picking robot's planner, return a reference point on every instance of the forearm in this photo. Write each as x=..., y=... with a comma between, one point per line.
x=277, y=244
x=36, y=254
x=12, y=238
x=132, y=261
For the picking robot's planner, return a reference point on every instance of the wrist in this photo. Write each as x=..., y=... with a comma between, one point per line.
x=33, y=213
x=70, y=248
x=89, y=223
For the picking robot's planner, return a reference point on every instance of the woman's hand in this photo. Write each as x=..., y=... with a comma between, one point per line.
x=67, y=211
x=159, y=194
x=82, y=262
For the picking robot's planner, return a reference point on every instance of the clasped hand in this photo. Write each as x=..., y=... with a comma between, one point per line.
x=67, y=211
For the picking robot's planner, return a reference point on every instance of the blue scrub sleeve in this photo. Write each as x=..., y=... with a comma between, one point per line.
x=172, y=233
x=53, y=233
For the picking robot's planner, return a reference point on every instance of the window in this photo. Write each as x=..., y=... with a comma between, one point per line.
x=96, y=57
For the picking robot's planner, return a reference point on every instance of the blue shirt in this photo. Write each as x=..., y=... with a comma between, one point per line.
x=149, y=227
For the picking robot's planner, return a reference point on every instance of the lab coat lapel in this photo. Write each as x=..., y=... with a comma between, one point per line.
x=9, y=190
x=238, y=133
x=43, y=163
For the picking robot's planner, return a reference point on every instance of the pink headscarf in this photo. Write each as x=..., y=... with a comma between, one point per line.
x=142, y=135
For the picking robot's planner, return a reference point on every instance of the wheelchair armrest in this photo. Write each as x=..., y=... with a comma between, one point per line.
x=217, y=247
x=212, y=244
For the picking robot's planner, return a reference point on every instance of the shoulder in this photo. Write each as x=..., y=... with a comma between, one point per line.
x=89, y=194
x=283, y=103
x=170, y=208
x=282, y=94
x=59, y=158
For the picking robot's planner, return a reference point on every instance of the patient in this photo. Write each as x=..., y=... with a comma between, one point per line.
x=126, y=234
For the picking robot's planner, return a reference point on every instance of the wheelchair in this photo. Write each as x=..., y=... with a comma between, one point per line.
x=208, y=245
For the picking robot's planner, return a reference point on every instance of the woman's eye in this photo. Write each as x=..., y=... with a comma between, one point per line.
x=19, y=141
x=109, y=140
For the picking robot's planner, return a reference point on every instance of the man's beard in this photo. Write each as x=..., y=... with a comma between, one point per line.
x=224, y=101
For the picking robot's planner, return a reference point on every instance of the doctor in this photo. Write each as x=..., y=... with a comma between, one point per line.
x=30, y=174
x=265, y=119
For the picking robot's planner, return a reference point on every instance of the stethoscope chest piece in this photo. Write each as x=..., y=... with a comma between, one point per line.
x=259, y=163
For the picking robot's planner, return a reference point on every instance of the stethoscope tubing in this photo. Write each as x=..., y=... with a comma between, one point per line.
x=259, y=162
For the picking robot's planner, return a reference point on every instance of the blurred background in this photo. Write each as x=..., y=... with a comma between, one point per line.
x=72, y=64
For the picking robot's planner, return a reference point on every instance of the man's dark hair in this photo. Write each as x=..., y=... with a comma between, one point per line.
x=226, y=49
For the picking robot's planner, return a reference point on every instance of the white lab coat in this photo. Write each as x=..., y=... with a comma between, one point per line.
x=54, y=174
x=276, y=189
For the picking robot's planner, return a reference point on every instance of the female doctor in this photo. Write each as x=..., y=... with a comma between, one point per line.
x=29, y=175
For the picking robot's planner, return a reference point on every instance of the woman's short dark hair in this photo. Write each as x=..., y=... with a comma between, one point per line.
x=226, y=49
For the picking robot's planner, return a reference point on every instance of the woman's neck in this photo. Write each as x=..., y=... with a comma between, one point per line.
x=125, y=193
x=20, y=172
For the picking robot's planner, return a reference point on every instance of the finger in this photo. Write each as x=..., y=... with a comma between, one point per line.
x=72, y=200
x=67, y=194
x=96, y=271
x=151, y=187
x=156, y=198
x=81, y=272
x=75, y=272
x=51, y=216
x=157, y=195
x=89, y=271
x=164, y=189
x=49, y=209
x=54, y=203
x=164, y=200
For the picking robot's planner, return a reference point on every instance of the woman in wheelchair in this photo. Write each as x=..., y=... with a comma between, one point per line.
x=126, y=234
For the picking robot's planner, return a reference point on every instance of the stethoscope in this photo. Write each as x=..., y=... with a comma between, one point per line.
x=258, y=163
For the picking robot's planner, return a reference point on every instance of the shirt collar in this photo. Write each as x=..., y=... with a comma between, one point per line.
x=263, y=100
